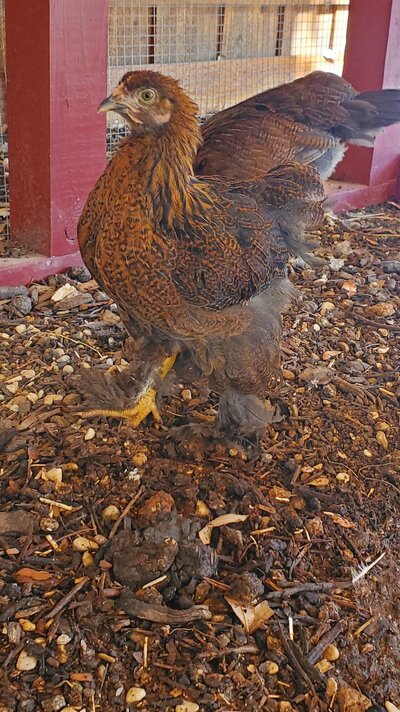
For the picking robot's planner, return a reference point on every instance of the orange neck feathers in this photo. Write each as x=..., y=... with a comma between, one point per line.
x=165, y=160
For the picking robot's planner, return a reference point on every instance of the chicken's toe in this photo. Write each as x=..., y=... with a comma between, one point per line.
x=143, y=404
x=135, y=414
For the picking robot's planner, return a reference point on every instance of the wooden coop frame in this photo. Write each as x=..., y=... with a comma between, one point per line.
x=56, y=59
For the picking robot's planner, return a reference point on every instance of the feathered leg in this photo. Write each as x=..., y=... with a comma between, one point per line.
x=144, y=402
x=242, y=419
x=241, y=423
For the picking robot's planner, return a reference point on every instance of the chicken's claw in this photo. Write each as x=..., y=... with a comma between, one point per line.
x=144, y=403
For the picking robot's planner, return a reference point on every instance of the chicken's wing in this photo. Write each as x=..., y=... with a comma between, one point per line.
x=309, y=120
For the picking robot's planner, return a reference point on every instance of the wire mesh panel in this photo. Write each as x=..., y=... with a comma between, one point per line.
x=224, y=52
x=4, y=196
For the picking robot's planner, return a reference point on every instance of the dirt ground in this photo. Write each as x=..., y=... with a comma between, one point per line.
x=114, y=592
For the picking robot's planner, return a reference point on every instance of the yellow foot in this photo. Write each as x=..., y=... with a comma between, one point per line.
x=145, y=403
x=134, y=414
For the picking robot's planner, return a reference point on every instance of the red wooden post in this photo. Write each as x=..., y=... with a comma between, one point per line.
x=372, y=62
x=57, y=75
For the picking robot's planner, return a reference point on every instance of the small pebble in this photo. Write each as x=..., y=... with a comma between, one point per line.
x=272, y=668
x=70, y=466
x=368, y=453
x=53, y=662
x=51, y=398
x=323, y=666
x=28, y=373
x=25, y=661
x=382, y=439
x=55, y=474
x=81, y=274
x=22, y=304
x=381, y=425
x=68, y=369
x=90, y=434
x=20, y=329
x=62, y=654
x=187, y=707
x=202, y=510
x=26, y=625
x=186, y=395
x=139, y=459
x=81, y=543
x=87, y=559
x=58, y=703
x=63, y=639
x=135, y=694
x=288, y=375
x=10, y=292
x=331, y=653
x=343, y=477
x=111, y=513
x=326, y=306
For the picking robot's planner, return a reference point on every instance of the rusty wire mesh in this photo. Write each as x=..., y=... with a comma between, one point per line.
x=223, y=52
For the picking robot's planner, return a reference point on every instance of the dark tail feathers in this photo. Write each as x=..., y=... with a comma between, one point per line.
x=369, y=112
x=386, y=104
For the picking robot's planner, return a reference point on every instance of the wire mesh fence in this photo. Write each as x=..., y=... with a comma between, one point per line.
x=224, y=52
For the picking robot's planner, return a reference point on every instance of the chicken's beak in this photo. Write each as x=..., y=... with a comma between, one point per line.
x=121, y=104
x=109, y=104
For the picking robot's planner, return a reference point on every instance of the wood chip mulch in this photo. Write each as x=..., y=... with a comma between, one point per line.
x=139, y=574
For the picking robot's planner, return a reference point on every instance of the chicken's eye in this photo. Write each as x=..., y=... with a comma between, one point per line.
x=147, y=96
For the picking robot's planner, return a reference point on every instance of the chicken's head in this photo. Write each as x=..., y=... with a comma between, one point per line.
x=148, y=100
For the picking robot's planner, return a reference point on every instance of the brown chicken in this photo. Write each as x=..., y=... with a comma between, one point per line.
x=196, y=266
x=309, y=120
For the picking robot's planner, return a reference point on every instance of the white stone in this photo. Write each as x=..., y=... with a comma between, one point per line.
x=135, y=694
x=25, y=661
